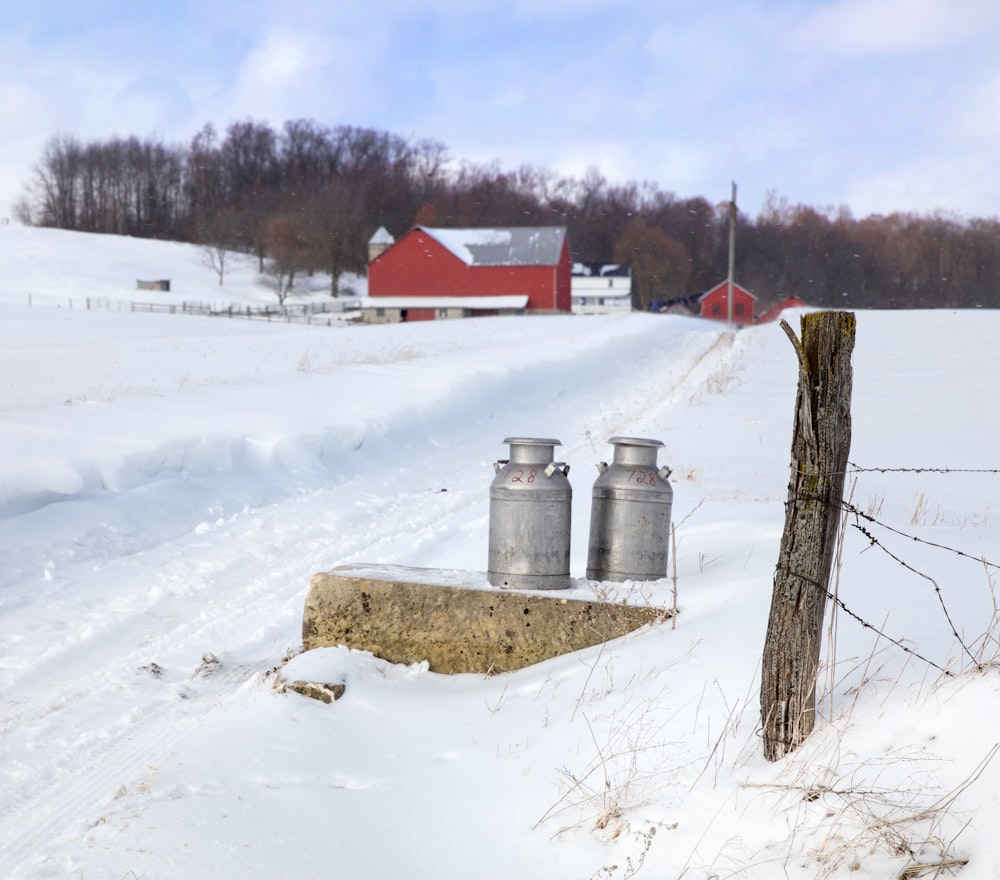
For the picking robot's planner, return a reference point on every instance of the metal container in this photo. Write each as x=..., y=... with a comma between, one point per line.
x=530, y=503
x=630, y=514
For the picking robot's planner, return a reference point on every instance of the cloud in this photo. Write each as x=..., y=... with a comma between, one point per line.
x=823, y=101
x=889, y=27
x=283, y=69
x=977, y=113
x=156, y=103
x=929, y=183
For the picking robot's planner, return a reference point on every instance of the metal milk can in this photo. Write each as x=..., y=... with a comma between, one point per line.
x=530, y=503
x=630, y=514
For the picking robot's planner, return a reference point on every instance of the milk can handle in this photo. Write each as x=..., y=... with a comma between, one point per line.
x=554, y=466
x=664, y=472
x=499, y=464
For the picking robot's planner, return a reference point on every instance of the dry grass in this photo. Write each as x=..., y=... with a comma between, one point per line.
x=875, y=504
x=921, y=514
x=841, y=813
x=632, y=865
x=627, y=767
x=841, y=809
x=986, y=648
x=305, y=364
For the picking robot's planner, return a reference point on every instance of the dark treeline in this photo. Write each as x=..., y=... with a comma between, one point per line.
x=308, y=197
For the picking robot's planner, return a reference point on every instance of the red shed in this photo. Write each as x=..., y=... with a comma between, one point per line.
x=714, y=303
x=530, y=261
x=793, y=302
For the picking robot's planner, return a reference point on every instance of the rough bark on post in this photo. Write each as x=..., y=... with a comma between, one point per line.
x=821, y=443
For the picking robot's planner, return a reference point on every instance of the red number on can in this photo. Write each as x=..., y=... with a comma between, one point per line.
x=644, y=477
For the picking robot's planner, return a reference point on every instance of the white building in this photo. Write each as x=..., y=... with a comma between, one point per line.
x=601, y=288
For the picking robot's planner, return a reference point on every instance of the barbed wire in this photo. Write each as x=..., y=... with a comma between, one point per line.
x=982, y=560
x=861, y=518
x=870, y=626
x=857, y=469
x=937, y=587
x=866, y=625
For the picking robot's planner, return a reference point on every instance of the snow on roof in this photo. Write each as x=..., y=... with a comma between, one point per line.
x=503, y=246
x=511, y=301
x=604, y=270
x=382, y=236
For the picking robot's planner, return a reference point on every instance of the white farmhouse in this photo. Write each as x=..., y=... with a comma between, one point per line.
x=601, y=288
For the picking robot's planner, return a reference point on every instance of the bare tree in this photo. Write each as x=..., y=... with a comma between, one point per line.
x=352, y=180
x=217, y=234
x=331, y=221
x=660, y=265
x=280, y=277
x=23, y=211
x=308, y=156
x=285, y=239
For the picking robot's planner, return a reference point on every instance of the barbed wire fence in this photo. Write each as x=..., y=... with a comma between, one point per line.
x=867, y=525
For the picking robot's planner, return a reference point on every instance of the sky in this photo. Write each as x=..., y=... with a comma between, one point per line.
x=170, y=483
x=876, y=105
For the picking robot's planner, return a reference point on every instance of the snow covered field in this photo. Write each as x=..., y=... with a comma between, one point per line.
x=169, y=483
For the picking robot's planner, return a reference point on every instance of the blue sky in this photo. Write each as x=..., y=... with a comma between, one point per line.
x=879, y=105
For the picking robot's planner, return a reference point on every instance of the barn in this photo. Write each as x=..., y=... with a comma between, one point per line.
x=714, y=304
x=478, y=271
x=773, y=313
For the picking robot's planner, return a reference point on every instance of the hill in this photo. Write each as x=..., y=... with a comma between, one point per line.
x=168, y=484
x=56, y=267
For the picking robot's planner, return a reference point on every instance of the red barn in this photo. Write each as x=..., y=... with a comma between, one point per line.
x=772, y=314
x=715, y=303
x=429, y=266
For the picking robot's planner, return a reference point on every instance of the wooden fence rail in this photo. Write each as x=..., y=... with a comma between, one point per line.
x=289, y=312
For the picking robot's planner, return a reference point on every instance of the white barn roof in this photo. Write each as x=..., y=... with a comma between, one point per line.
x=473, y=303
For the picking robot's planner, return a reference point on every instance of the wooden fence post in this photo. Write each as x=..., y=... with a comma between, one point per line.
x=821, y=443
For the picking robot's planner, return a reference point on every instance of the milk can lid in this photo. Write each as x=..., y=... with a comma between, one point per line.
x=532, y=441
x=635, y=441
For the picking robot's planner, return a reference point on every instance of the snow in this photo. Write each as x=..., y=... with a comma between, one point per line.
x=490, y=303
x=169, y=483
x=459, y=241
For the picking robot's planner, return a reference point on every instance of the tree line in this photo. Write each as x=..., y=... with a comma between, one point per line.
x=307, y=197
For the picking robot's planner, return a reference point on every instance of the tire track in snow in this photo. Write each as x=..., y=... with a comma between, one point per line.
x=70, y=783
x=245, y=605
x=126, y=717
x=644, y=401
x=79, y=786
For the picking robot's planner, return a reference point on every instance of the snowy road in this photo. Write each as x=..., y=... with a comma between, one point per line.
x=164, y=550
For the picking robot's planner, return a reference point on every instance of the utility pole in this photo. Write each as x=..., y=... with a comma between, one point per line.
x=732, y=255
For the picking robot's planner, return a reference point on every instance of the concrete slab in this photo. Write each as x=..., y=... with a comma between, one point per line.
x=456, y=620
